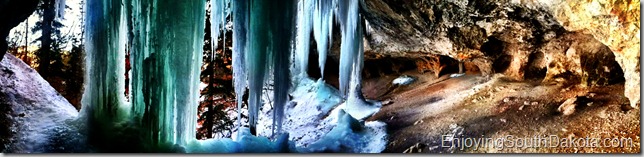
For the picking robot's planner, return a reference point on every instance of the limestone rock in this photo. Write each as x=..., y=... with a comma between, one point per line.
x=568, y=107
x=578, y=57
x=616, y=23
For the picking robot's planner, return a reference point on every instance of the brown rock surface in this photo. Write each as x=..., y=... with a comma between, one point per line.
x=616, y=23
x=506, y=36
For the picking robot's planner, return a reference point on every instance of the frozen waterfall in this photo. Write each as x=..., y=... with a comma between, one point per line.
x=166, y=38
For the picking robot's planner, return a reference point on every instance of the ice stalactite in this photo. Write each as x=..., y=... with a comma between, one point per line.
x=102, y=98
x=303, y=39
x=322, y=25
x=217, y=22
x=240, y=37
x=166, y=64
x=256, y=58
x=322, y=32
x=348, y=47
x=283, y=27
x=268, y=46
x=351, y=62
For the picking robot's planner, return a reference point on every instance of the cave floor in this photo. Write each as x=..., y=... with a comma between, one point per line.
x=422, y=116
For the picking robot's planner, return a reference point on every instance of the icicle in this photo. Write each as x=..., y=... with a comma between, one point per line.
x=271, y=28
x=322, y=22
x=347, y=17
x=304, y=24
x=138, y=39
x=240, y=28
x=60, y=8
x=217, y=20
x=283, y=26
x=351, y=62
x=256, y=58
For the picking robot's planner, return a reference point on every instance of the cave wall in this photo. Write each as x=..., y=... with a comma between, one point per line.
x=549, y=40
x=616, y=23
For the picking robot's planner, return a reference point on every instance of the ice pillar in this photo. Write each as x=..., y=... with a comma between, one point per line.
x=166, y=59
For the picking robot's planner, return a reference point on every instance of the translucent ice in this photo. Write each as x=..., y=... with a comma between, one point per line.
x=322, y=24
x=240, y=36
x=304, y=27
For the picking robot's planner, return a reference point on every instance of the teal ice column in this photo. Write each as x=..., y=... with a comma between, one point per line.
x=166, y=60
x=103, y=98
x=165, y=39
x=240, y=37
x=271, y=31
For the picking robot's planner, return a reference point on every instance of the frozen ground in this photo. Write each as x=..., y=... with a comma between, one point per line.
x=313, y=113
x=472, y=106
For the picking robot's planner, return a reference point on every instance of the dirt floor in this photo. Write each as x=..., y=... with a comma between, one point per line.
x=431, y=114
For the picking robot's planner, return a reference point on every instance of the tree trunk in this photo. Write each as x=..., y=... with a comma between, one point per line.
x=44, y=56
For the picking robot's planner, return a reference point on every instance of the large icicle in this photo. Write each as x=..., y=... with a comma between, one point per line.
x=283, y=27
x=304, y=27
x=271, y=29
x=322, y=24
x=240, y=38
x=351, y=62
x=348, y=47
x=347, y=51
x=217, y=21
x=256, y=58
x=103, y=99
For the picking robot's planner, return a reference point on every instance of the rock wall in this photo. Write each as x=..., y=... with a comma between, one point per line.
x=615, y=23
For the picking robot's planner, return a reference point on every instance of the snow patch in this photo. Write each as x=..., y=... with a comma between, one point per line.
x=403, y=80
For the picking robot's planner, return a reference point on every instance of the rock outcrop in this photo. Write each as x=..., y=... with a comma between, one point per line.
x=34, y=117
x=616, y=23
